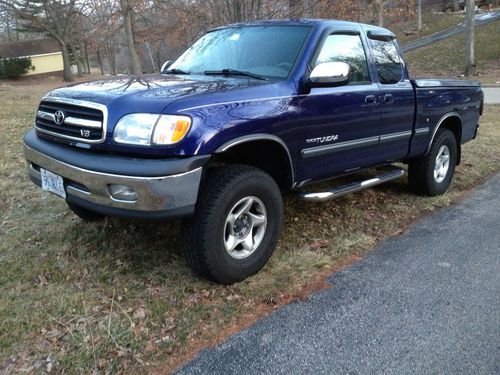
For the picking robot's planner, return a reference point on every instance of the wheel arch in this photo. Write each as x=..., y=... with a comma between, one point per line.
x=453, y=122
x=265, y=151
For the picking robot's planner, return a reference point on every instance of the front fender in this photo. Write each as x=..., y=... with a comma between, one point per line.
x=217, y=127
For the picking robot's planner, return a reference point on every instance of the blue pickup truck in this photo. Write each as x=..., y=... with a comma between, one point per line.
x=248, y=112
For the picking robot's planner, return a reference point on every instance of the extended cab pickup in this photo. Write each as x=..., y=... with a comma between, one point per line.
x=247, y=112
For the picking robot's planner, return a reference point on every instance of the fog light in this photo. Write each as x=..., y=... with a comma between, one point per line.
x=123, y=192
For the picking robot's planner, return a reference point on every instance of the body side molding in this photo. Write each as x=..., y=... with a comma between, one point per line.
x=341, y=146
x=362, y=142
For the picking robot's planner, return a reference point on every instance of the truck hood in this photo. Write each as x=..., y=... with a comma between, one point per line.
x=172, y=94
x=149, y=93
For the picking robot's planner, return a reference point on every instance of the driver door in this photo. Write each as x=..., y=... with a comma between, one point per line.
x=339, y=126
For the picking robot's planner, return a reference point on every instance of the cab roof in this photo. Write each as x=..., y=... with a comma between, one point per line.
x=320, y=23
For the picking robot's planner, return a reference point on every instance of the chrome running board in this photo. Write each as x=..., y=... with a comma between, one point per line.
x=352, y=187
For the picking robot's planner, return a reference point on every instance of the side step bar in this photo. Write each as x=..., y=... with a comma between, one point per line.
x=352, y=186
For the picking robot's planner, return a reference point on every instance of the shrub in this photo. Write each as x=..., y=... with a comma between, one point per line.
x=14, y=68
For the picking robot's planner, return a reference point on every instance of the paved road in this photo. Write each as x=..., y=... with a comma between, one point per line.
x=491, y=95
x=481, y=19
x=427, y=302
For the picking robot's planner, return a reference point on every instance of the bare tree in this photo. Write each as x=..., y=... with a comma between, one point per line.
x=470, y=13
x=128, y=14
x=51, y=16
x=6, y=22
x=103, y=25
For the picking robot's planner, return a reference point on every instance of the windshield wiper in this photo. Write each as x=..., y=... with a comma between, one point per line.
x=233, y=72
x=175, y=71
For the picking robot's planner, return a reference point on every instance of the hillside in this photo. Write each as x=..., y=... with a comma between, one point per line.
x=447, y=58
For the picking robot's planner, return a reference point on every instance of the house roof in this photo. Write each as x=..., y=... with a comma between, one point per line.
x=28, y=48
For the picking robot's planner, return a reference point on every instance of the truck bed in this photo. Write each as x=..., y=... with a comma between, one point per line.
x=461, y=99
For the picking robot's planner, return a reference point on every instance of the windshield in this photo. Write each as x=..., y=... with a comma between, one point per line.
x=268, y=51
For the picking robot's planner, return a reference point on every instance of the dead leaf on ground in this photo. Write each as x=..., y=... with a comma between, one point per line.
x=140, y=313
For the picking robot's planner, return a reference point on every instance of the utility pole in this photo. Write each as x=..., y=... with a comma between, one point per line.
x=470, y=14
x=419, y=15
x=380, y=7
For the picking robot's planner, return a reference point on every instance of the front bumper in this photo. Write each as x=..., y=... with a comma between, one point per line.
x=171, y=194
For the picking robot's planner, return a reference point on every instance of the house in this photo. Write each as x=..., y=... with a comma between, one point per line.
x=45, y=54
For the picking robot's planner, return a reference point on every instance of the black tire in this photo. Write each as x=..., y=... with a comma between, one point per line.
x=84, y=213
x=421, y=171
x=204, y=235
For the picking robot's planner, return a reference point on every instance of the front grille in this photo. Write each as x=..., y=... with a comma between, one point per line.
x=81, y=121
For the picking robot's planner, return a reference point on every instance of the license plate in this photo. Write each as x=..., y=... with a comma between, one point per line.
x=53, y=183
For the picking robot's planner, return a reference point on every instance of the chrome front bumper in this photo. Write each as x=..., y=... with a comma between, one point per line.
x=156, y=196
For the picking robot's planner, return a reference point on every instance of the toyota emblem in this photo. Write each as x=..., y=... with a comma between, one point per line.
x=59, y=117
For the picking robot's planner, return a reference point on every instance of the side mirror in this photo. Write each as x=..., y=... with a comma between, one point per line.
x=330, y=74
x=166, y=65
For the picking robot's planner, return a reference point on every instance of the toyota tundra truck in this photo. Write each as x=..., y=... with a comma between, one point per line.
x=249, y=112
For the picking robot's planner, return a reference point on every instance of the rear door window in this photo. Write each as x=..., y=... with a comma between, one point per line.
x=387, y=60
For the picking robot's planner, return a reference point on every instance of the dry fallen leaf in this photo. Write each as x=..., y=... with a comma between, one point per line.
x=319, y=244
x=140, y=313
x=233, y=297
x=169, y=323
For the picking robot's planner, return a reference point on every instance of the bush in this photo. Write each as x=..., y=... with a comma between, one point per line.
x=14, y=68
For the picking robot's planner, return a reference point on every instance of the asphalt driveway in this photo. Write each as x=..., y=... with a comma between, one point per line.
x=491, y=95
x=481, y=19
x=425, y=302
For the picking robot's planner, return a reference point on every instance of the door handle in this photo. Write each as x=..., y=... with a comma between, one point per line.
x=370, y=99
x=388, y=98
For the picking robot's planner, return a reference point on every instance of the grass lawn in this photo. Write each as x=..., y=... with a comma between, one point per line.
x=118, y=296
x=432, y=22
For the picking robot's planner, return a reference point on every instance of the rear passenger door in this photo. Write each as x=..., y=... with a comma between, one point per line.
x=397, y=100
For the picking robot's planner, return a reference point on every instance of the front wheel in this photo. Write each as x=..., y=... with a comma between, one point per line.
x=432, y=174
x=236, y=225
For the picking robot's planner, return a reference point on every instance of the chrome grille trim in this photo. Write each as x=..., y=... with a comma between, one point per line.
x=82, y=122
x=45, y=115
x=75, y=121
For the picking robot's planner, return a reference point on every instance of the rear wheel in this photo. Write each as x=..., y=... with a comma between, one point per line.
x=236, y=225
x=432, y=174
x=84, y=213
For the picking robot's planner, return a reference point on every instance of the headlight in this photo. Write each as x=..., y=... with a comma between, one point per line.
x=148, y=129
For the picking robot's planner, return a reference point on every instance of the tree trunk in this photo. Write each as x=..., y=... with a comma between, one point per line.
x=17, y=28
x=456, y=6
x=127, y=25
x=295, y=8
x=380, y=8
x=7, y=26
x=87, y=61
x=419, y=15
x=470, y=67
x=153, y=64
x=109, y=58
x=67, y=74
x=110, y=55
x=76, y=56
x=99, y=59
x=237, y=11
x=310, y=9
